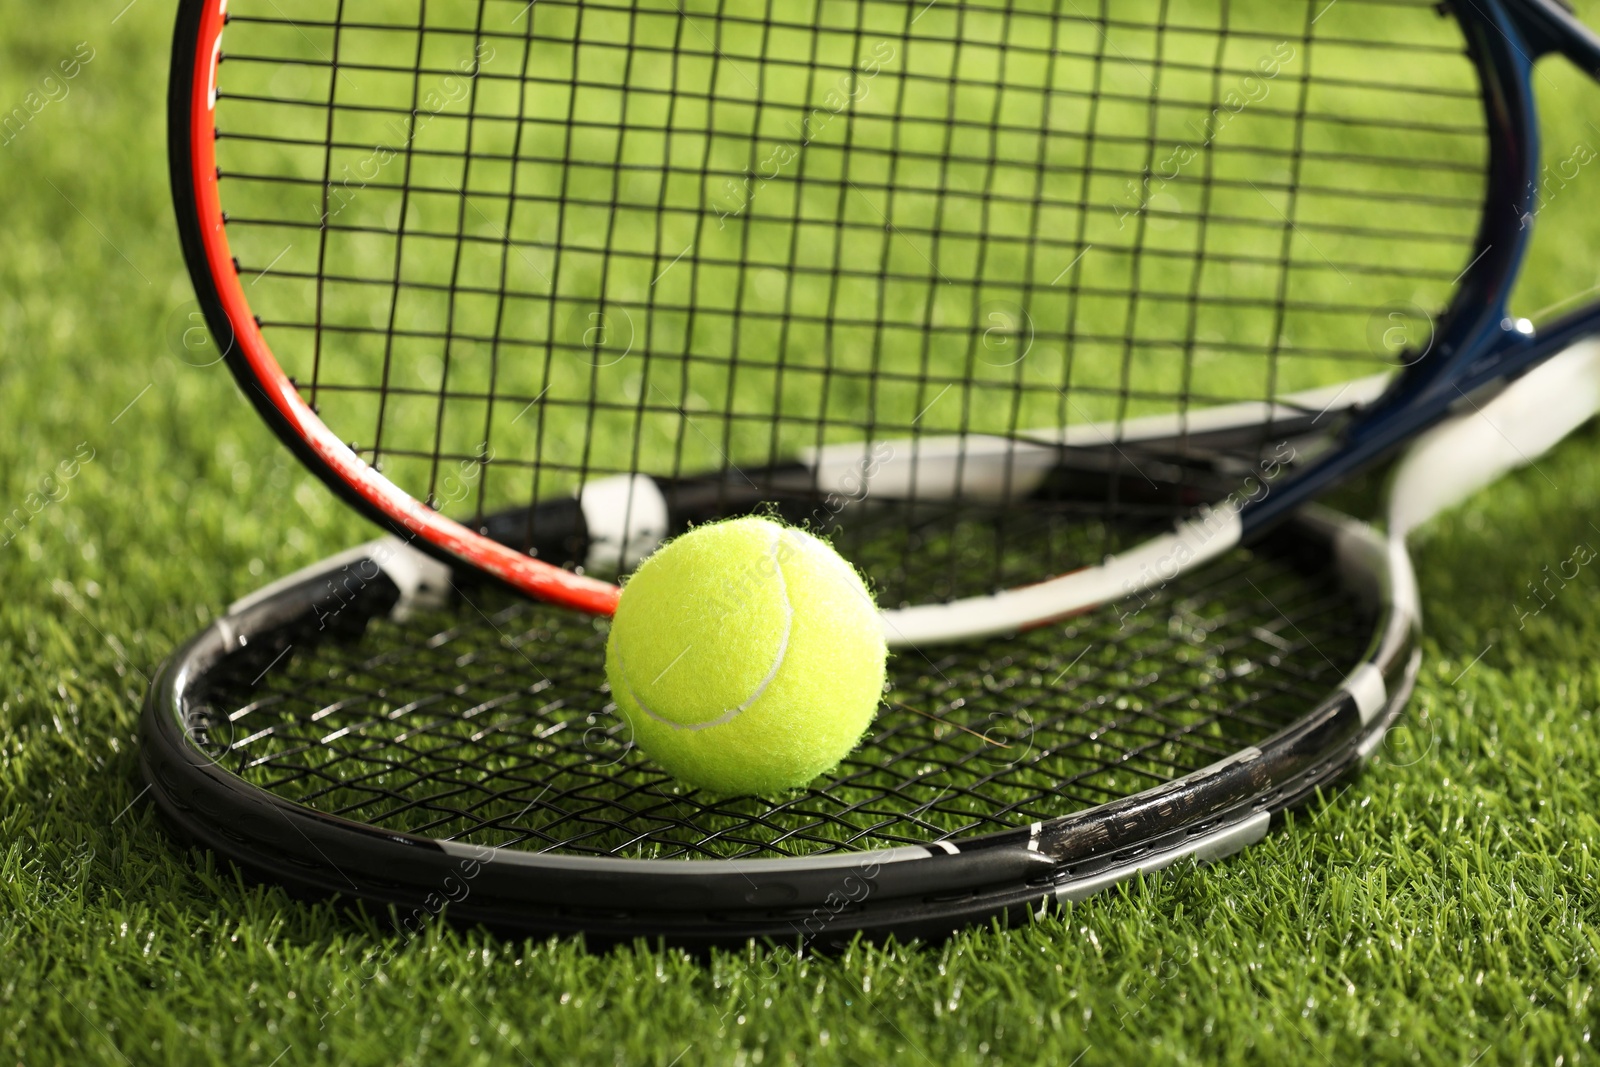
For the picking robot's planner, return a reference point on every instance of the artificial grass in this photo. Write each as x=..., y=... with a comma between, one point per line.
x=1440, y=909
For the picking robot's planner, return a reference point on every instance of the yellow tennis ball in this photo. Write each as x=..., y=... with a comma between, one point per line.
x=746, y=657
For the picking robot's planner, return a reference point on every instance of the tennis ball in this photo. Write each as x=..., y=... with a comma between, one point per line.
x=746, y=657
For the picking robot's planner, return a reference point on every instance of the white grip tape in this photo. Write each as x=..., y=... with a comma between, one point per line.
x=1149, y=566
x=626, y=518
x=989, y=469
x=1516, y=427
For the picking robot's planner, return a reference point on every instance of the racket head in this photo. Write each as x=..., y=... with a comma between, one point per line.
x=388, y=728
x=1487, y=115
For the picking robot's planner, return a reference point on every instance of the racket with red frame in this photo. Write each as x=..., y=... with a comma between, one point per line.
x=536, y=285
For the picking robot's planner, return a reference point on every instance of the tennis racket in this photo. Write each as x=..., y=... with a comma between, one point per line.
x=470, y=259
x=383, y=726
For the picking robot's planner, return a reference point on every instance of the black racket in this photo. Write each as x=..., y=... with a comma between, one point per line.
x=468, y=755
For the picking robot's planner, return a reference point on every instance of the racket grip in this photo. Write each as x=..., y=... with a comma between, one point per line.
x=613, y=523
x=553, y=531
x=1472, y=449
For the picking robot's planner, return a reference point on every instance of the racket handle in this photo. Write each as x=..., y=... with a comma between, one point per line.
x=614, y=523
x=1512, y=430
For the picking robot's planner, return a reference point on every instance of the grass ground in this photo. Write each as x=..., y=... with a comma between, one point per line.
x=1443, y=908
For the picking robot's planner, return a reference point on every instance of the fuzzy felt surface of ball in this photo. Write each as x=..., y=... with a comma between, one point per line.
x=746, y=657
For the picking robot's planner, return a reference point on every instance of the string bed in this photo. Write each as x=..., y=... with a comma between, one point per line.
x=488, y=722
x=508, y=249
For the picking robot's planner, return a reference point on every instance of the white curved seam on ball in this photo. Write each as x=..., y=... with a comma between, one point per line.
x=777, y=663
